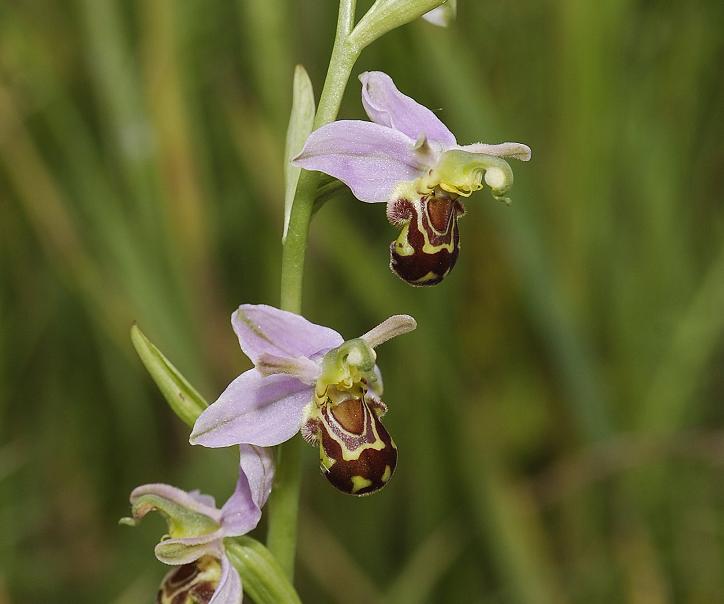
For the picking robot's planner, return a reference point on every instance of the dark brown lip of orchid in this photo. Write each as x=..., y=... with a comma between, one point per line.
x=432, y=234
x=352, y=425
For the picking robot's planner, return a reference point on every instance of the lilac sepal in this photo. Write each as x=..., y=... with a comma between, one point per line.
x=263, y=329
x=387, y=106
x=369, y=158
x=229, y=590
x=242, y=512
x=254, y=409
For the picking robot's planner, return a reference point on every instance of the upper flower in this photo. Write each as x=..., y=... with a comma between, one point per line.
x=306, y=377
x=409, y=159
x=197, y=529
x=405, y=143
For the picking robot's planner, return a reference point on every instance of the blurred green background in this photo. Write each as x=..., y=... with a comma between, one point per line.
x=558, y=412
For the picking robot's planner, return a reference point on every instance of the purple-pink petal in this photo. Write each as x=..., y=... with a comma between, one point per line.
x=370, y=159
x=257, y=463
x=242, y=512
x=254, y=409
x=387, y=106
x=229, y=590
x=263, y=329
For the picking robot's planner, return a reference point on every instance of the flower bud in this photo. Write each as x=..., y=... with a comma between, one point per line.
x=193, y=583
x=357, y=454
x=428, y=245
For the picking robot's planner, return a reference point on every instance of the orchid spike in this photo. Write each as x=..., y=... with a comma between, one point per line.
x=307, y=378
x=406, y=157
x=197, y=529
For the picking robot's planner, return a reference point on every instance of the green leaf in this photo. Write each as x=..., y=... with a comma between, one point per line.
x=182, y=397
x=263, y=579
x=300, y=126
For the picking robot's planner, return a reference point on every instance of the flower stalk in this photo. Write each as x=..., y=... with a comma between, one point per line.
x=284, y=502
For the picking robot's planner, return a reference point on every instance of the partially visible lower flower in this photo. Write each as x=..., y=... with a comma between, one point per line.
x=307, y=378
x=406, y=157
x=197, y=529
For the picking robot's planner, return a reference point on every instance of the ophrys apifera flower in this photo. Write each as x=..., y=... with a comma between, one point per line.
x=307, y=378
x=406, y=157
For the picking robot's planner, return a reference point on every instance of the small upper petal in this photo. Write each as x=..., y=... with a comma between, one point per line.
x=303, y=368
x=229, y=590
x=387, y=106
x=396, y=325
x=514, y=150
x=187, y=549
x=370, y=159
x=242, y=512
x=265, y=330
x=254, y=409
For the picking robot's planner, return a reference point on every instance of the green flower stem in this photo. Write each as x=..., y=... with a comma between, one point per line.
x=263, y=579
x=284, y=501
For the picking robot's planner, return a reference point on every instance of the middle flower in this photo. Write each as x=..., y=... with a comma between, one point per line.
x=308, y=378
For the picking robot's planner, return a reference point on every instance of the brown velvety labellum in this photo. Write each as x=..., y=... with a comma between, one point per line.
x=357, y=453
x=428, y=247
x=193, y=583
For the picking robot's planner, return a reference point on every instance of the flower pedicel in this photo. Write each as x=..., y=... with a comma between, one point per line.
x=406, y=157
x=307, y=379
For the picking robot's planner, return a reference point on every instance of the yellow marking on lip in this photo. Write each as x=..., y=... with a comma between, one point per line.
x=425, y=278
x=325, y=461
x=387, y=474
x=427, y=247
x=402, y=245
x=359, y=483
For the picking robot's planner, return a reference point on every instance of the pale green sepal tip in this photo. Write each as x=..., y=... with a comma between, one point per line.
x=386, y=15
x=182, y=522
x=301, y=121
x=182, y=397
x=262, y=576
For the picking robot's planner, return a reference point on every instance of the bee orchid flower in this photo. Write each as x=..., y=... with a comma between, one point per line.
x=197, y=529
x=307, y=378
x=406, y=157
